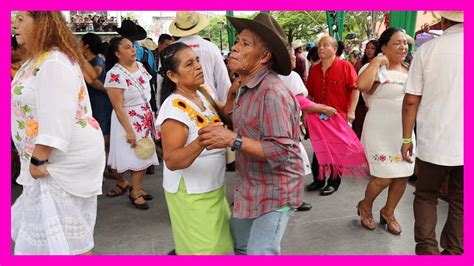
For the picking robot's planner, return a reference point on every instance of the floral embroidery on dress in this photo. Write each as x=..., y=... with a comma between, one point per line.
x=141, y=80
x=31, y=128
x=82, y=113
x=145, y=120
x=129, y=82
x=390, y=158
x=26, y=123
x=201, y=120
x=18, y=90
x=215, y=119
x=23, y=114
x=114, y=78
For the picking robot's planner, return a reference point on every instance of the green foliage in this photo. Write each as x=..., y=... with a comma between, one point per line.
x=216, y=27
x=304, y=25
x=130, y=15
x=13, y=18
x=360, y=22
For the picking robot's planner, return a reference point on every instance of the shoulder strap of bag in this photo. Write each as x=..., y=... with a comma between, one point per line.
x=138, y=85
x=219, y=111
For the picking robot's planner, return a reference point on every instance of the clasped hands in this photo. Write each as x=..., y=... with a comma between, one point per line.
x=216, y=136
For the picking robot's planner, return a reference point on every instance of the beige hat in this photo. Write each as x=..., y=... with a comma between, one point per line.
x=145, y=148
x=188, y=23
x=297, y=44
x=149, y=44
x=456, y=16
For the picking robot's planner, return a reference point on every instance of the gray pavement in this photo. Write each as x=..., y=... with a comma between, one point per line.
x=331, y=227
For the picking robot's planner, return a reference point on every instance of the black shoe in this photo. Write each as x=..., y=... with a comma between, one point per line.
x=315, y=186
x=230, y=167
x=304, y=207
x=328, y=190
x=172, y=252
x=150, y=170
x=445, y=252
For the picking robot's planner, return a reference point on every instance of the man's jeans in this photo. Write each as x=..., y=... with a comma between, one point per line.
x=260, y=236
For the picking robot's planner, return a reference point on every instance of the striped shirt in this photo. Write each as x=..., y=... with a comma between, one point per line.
x=267, y=111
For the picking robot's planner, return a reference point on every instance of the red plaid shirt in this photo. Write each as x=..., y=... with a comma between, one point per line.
x=267, y=111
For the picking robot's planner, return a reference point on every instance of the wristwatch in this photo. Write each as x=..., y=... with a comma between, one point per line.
x=237, y=143
x=37, y=162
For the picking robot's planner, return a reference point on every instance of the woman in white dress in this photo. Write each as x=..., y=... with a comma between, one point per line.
x=128, y=87
x=59, y=142
x=383, y=81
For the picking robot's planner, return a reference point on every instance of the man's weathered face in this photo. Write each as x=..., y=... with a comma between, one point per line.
x=247, y=53
x=326, y=48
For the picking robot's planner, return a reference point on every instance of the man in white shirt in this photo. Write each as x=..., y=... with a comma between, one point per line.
x=434, y=97
x=187, y=25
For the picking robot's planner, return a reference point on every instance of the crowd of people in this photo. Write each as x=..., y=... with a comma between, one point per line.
x=97, y=23
x=82, y=109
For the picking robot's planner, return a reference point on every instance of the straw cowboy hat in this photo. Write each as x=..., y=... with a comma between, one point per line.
x=297, y=44
x=149, y=44
x=271, y=33
x=188, y=23
x=456, y=16
x=131, y=31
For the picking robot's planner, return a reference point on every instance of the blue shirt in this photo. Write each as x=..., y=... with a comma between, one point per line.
x=151, y=57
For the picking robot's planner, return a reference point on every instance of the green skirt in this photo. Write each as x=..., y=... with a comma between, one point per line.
x=200, y=222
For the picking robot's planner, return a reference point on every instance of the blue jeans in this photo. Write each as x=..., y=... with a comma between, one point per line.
x=259, y=236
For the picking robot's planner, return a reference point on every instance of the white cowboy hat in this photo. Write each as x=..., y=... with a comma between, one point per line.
x=457, y=16
x=297, y=44
x=149, y=44
x=188, y=23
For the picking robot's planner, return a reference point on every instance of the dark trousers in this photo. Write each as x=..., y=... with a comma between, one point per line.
x=428, y=186
x=334, y=181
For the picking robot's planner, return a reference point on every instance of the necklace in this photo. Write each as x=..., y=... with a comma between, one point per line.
x=193, y=97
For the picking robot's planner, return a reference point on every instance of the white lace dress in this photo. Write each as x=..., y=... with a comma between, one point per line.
x=56, y=214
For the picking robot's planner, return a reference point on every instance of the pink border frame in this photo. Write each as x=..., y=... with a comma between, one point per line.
x=5, y=247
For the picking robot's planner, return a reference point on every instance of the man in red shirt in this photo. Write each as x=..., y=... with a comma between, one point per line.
x=332, y=82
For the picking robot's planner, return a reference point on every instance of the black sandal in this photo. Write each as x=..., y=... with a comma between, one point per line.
x=117, y=191
x=143, y=206
x=145, y=196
